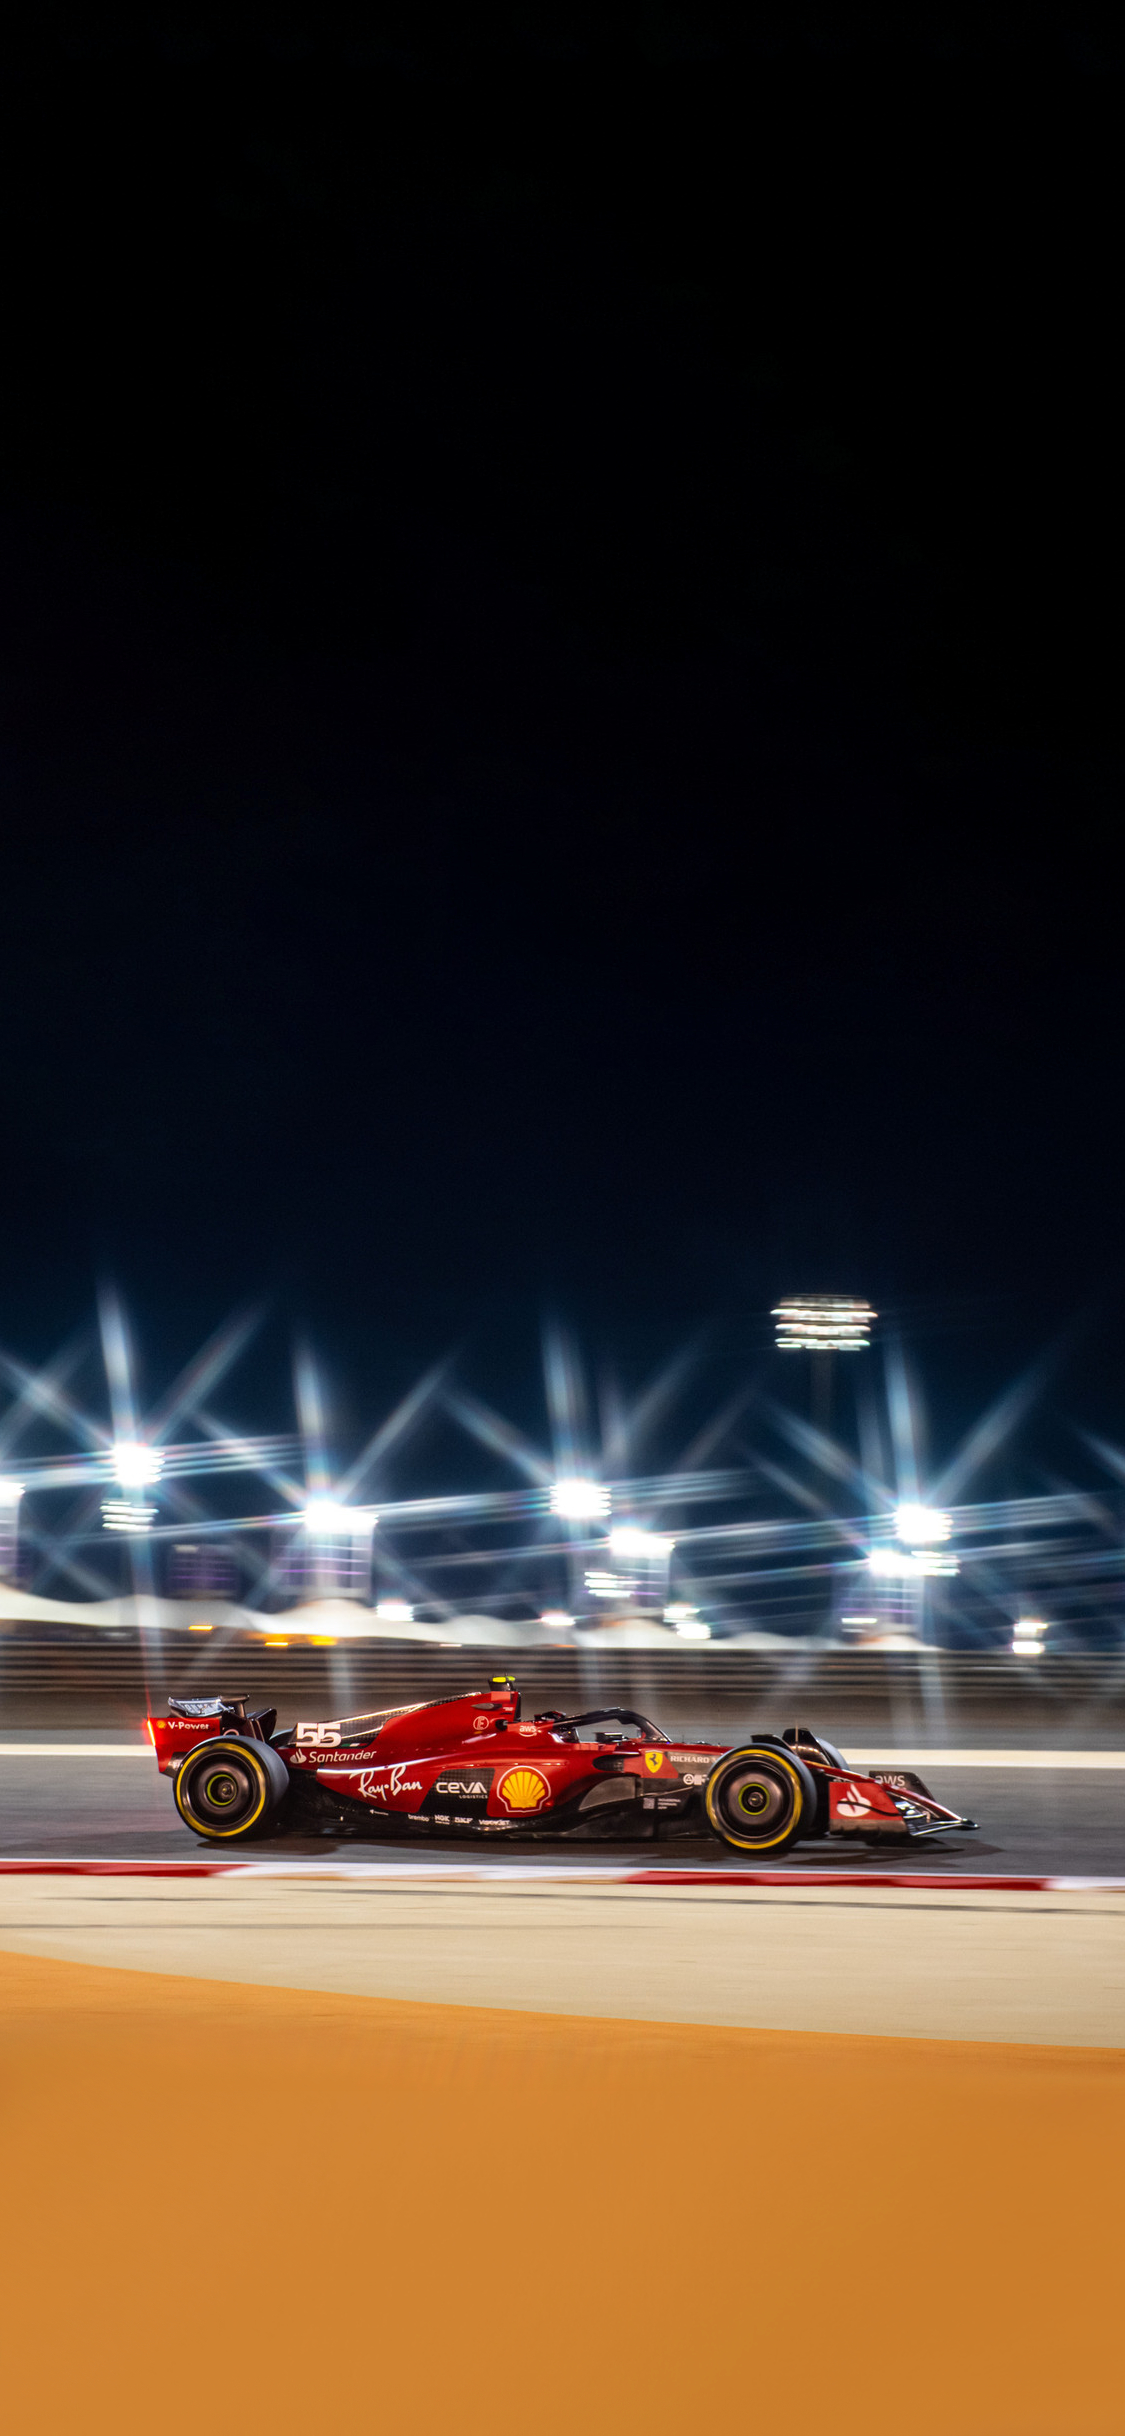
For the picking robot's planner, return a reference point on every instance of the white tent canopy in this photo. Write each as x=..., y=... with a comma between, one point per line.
x=319, y=1619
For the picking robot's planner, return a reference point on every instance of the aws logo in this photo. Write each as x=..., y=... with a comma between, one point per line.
x=523, y=1789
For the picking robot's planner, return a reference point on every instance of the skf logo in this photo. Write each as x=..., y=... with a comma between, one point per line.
x=654, y=1761
x=325, y=1737
x=523, y=1789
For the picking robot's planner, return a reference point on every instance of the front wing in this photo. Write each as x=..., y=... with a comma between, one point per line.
x=891, y=1802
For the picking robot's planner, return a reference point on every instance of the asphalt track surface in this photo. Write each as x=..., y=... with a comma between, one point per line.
x=83, y=1801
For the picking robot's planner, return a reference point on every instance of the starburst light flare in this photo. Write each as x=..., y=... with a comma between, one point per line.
x=136, y=1466
x=921, y=1526
x=579, y=1500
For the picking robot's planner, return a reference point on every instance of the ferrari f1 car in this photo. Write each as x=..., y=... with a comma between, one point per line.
x=475, y=1766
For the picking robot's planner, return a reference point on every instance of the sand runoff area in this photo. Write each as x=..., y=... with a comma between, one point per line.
x=478, y=2155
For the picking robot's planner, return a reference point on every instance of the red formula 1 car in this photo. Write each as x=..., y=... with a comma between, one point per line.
x=474, y=1766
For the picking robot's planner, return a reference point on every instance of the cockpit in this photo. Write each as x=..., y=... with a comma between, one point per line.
x=601, y=1725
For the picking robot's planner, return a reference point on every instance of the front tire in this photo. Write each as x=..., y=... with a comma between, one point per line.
x=228, y=1790
x=761, y=1799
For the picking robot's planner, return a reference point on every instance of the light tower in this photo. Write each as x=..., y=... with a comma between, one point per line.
x=578, y=1502
x=902, y=1570
x=11, y=1492
x=332, y=1557
x=135, y=1469
x=823, y=1325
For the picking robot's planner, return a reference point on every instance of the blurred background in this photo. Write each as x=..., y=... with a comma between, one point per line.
x=561, y=742
x=786, y=1517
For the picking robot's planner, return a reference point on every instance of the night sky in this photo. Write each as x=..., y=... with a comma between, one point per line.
x=562, y=684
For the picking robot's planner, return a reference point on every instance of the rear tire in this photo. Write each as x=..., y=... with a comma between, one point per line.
x=229, y=1790
x=761, y=1799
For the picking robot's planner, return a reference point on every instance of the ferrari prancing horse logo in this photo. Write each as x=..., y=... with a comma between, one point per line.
x=654, y=1761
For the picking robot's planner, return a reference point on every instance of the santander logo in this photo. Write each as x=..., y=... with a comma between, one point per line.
x=852, y=1804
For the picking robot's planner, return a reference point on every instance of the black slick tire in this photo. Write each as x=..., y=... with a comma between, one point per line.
x=229, y=1789
x=760, y=1799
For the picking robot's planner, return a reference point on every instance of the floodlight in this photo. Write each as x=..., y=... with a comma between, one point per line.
x=653, y=1547
x=910, y=1564
x=556, y=1621
x=920, y=1526
x=823, y=1323
x=136, y=1467
x=687, y=1620
x=11, y=1492
x=579, y=1500
x=1028, y=1636
x=324, y=1518
x=609, y=1585
x=854, y=1628
x=394, y=1611
x=127, y=1514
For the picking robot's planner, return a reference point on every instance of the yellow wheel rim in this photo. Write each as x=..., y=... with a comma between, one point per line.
x=241, y=1826
x=758, y=1843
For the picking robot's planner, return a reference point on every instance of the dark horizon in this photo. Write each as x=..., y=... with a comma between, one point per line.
x=563, y=706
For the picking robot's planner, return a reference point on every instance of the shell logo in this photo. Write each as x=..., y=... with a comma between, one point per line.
x=524, y=1789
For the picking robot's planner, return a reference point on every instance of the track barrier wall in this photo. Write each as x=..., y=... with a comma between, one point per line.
x=925, y=1697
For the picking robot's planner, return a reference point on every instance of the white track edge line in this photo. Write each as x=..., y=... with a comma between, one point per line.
x=847, y=1878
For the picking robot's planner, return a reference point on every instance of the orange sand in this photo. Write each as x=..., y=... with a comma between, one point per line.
x=259, y=2202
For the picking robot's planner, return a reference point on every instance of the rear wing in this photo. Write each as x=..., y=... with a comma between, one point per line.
x=186, y=1723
